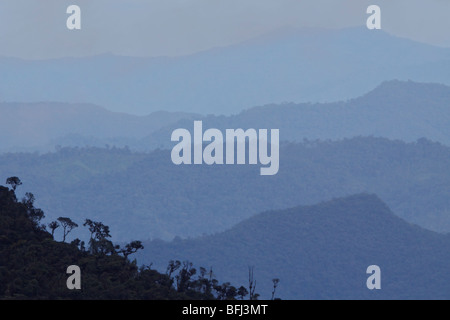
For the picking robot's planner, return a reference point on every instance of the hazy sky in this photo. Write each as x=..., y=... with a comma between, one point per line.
x=36, y=29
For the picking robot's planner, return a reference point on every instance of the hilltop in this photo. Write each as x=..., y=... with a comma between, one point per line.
x=322, y=252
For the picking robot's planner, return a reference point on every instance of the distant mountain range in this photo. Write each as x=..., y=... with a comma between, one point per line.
x=322, y=252
x=287, y=65
x=395, y=110
x=42, y=126
x=379, y=147
x=402, y=110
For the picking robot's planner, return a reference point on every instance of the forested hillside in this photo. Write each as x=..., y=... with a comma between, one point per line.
x=146, y=196
x=34, y=266
x=323, y=251
x=224, y=150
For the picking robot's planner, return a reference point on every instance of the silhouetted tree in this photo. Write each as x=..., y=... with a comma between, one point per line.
x=275, y=285
x=102, y=246
x=184, y=276
x=172, y=267
x=14, y=182
x=252, y=284
x=53, y=226
x=35, y=214
x=131, y=248
x=68, y=225
x=28, y=200
x=98, y=230
x=203, y=284
x=98, y=242
x=226, y=292
x=242, y=292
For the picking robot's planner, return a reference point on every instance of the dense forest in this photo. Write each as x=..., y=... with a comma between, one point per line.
x=33, y=264
x=146, y=196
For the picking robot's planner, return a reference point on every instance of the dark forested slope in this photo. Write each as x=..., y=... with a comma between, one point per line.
x=33, y=265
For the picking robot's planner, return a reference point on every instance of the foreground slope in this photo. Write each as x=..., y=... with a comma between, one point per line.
x=33, y=265
x=323, y=251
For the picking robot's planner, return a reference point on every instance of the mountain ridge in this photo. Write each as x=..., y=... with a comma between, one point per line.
x=322, y=251
x=41, y=126
x=226, y=80
x=403, y=110
x=137, y=199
